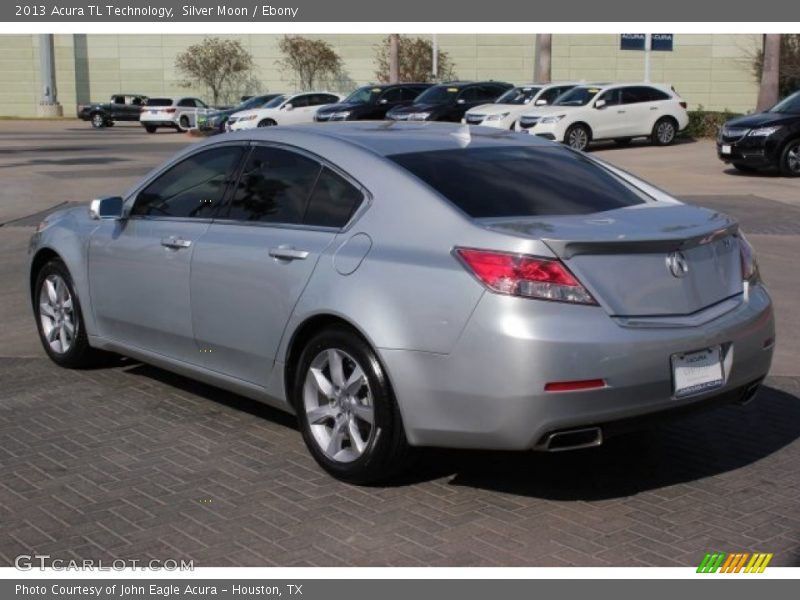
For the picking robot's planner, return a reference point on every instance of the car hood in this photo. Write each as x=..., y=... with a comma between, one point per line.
x=763, y=119
x=550, y=110
x=415, y=108
x=330, y=108
x=499, y=109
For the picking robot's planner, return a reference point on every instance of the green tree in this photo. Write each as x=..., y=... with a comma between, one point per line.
x=416, y=61
x=220, y=65
x=312, y=62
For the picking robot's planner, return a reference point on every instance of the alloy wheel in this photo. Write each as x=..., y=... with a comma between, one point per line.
x=665, y=132
x=793, y=158
x=338, y=405
x=57, y=314
x=578, y=138
x=97, y=120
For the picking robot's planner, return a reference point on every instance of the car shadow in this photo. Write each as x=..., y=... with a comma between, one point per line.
x=606, y=145
x=689, y=449
x=769, y=173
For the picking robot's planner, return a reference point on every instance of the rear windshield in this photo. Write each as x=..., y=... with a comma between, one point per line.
x=513, y=181
x=159, y=102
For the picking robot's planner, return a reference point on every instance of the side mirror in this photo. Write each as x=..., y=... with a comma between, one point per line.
x=288, y=106
x=106, y=208
x=600, y=103
x=540, y=102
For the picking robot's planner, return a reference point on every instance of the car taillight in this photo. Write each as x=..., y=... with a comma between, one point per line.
x=526, y=276
x=169, y=110
x=748, y=259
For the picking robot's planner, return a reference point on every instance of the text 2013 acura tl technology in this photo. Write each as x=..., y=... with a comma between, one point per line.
x=400, y=285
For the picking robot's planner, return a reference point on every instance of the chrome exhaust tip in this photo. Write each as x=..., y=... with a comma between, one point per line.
x=573, y=439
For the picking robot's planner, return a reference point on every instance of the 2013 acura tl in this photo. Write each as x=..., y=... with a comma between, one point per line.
x=402, y=285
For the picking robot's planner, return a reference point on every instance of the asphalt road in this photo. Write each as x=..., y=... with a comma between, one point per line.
x=133, y=462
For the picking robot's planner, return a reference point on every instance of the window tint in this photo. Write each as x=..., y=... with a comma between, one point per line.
x=192, y=188
x=631, y=95
x=491, y=92
x=550, y=95
x=392, y=95
x=118, y=99
x=186, y=102
x=160, y=102
x=318, y=99
x=200, y=103
x=472, y=94
x=333, y=201
x=612, y=97
x=511, y=181
x=410, y=93
x=274, y=187
x=300, y=101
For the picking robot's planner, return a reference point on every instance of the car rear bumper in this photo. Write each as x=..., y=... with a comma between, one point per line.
x=489, y=392
x=157, y=123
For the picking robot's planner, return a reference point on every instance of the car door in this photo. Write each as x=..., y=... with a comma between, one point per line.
x=610, y=119
x=187, y=108
x=139, y=267
x=467, y=98
x=252, y=264
x=637, y=105
x=387, y=101
x=117, y=107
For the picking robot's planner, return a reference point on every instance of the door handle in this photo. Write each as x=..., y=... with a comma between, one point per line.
x=175, y=243
x=619, y=112
x=653, y=108
x=284, y=253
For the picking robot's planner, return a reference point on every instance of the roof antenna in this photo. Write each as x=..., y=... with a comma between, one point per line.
x=463, y=135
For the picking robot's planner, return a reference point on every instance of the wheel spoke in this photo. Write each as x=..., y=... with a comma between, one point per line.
x=52, y=334
x=51, y=291
x=62, y=337
x=321, y=414
x=70, y=328
x=323, y=385
x=336, y=367
x=365, y=413
x=335, y=442
x=47, y=310
x=355, y=381
x=356, y=440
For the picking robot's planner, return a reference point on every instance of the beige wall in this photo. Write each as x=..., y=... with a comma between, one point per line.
x=711, y=70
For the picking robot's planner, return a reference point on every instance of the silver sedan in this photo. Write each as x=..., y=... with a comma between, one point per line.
x=406, y=285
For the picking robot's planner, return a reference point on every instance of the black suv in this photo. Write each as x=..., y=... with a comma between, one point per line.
x=449, y=101
x=371, y=102
x=763, y=140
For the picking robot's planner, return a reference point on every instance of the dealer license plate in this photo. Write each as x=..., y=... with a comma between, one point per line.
x=697, y=372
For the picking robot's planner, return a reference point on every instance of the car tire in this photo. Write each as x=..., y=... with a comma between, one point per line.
x=183, y=123
x=664, y=132
x=59, y=319
x=622, y=142
x=790, y=159
x=744, y=168
x=98, y=120
x=267, y=123
x=578, y=137
x=150, y=128
x=335, y=417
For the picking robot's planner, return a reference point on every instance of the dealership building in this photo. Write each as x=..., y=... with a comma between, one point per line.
x=709, y=70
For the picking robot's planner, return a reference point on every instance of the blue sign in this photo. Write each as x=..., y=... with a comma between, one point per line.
x=660, y=42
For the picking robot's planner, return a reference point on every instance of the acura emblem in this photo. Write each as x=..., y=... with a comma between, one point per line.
x=677, y=264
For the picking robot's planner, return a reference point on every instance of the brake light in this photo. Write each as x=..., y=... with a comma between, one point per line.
x=169, y=110
x=748, y=260
x=522, y=275
x=574, y=386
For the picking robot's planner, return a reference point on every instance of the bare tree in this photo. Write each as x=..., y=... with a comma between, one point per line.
x=542, y=67
x=415, y=62
x=311, y=61
x=218, y=64
x=770, y=72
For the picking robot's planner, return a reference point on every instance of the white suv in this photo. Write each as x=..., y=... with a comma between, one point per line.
x=176, y=113
x=619, y=111
x=286, y=109
x=504, y=112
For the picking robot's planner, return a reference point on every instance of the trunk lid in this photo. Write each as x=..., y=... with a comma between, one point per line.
x=644, y=260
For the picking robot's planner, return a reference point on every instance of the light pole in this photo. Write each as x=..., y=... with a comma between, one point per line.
x=48, y=104
x=435, y=57
x=648, y=43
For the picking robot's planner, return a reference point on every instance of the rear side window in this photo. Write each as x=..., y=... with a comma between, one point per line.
x=511, y=181
x=333, y=201
x=274, y=187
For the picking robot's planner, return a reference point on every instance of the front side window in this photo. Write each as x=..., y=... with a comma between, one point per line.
x=578, y=96
x=518, y=95
x=520, y=181
x=194, y=188
x=186, y=102
x=438, y=94
x=300, y=101
x=392, y=95
x=274, y=187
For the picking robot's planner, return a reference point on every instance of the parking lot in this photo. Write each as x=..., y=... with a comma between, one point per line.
x=134, y=462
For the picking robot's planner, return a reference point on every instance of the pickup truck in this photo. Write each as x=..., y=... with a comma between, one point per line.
x=122, y=107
